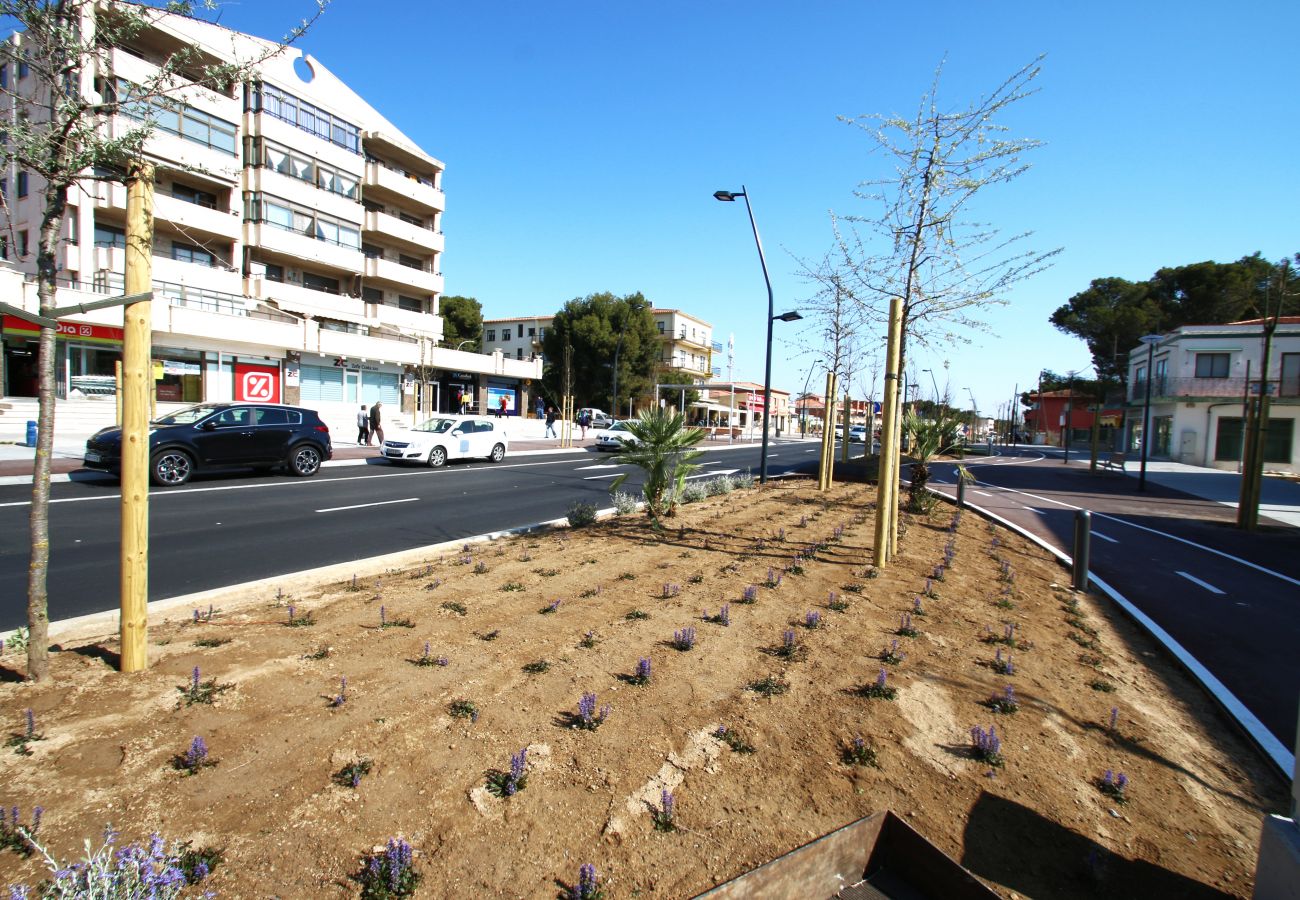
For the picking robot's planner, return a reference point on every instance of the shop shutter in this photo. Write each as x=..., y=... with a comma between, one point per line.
x=322, y=383
x=379, y=386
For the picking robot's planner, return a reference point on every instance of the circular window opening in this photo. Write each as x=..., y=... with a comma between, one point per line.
x=303, y=69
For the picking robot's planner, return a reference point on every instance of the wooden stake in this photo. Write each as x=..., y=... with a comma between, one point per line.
x=117, y=391
x=826, y=475
x=847, y=423
x=887, y=478
x=137, y=390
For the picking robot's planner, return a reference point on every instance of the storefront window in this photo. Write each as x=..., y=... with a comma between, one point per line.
x=178, y=375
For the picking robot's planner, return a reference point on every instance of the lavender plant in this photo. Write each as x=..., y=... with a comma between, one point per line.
x=671, y=590
x=138, y=870
x=749, y=595
x=427, y=659
x=350, y=775
x=480, y=568
x=938, y=572
x=637, y=614
x=663, y=816
x=1003, y=665
x=789, y=648
x=1114, y=786
x=551, y=607
x=463, y=709
x=684, y=640
x=929, y=590
x=199, y=691
x=1005, y=600
x=812, y=620
x=880, y=688
x=507, y=784
x=511, y=586
x=389, y=874
x=891, y=654
x=986, y=746
x=399, y=622
x=453, y=606
x=835, y=604
x=857, y=753
x=342, y=696
x=722, y=618
x=588, y=717
x=588, y=886
x=195, y=759
x=21, y=739
x=773, y=578
x=769, y=686
x=296, y=621
x=1004, y=702
x=641, y=674
x=18, y=837
x=917, y=608
x=733, y=739
x=1114, y=719
x=905, y=628
x=588, y=640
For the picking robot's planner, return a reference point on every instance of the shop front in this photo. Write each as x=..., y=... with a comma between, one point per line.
x=503, y=397
x=456, y=391
x=85, y=358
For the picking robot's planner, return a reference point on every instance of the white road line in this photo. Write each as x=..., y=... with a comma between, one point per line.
x=364, y=505
x=1037, y=512
x=599, y=477
x=1104, y=537
x=597, y=466
x=713, y=473
x=814, y=450
x=1205, y=584
x=982, y=493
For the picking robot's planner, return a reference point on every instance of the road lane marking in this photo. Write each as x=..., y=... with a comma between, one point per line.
x=982, y=493
x=714, y=472
x=1104, y=537
x=364, y=505
x=1037, y=512
x=597, y=466
x=599, y=477
x=1205, y=584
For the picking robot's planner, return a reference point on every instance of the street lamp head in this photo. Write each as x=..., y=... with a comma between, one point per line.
x=727, y=196
x=791, y=316
x=1151, y=338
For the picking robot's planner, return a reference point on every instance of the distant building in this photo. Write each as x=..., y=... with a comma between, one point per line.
x=1200, y=376
x=1053, y=414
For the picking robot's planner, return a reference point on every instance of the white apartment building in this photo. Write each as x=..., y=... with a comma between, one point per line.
x=1199, y=377
x=297, y=248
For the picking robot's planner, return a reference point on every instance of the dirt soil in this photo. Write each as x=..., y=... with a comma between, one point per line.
x=1038, y=826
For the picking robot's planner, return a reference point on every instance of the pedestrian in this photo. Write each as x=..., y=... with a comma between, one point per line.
x=464, y=401
x=584, y=420
x=502, y=406
x=376, y=429
x=550, y=422
x=363, y=427
x=540, y=407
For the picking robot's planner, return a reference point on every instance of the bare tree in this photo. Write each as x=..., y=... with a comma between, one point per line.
x=56, y=132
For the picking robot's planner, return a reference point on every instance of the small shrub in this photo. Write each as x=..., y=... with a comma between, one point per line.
x=769, y=686
x=835, y=604
x=879, y=689
x=588, y=886
x=142, y=869
x=871, y=572
x=195, y=759
x=588, y=717
x=456, y=607
x=1091, y=659
x=891, y=654
x=722, y=618
x=733, y=739
x=637, y=614
x=670, y=591
x=684, y=640
x=745, y=480
x=350, y=775
x=627, y=576
x=306, y=620
x=552, y=607
x=812, y=620
x=857, y=753
x=773, y=579
x=749, y=595
x=695, y=579
x=1003, y=665
x=511, y=586
x=723, y=484
x=318, y=653
x=1005, y=702
x=480, y=568
x=588, y=640
x=198, y=691
x=663, y=814
x=210, y=642
x=400, y=622
x=1101, y=684
x=693, y=492
x=852, y=588
x=507, y=784
x=389, y=874
x=986, y=746
x=905, y=627
x=537, y=667
x=789, y=648
x=624, y=503
x=581, y=513
x=546, y=573
x=1082, y=640
x=917, y=608
x=463, y=709
x=641, y=674
x=1114, y=786
x=490, y=635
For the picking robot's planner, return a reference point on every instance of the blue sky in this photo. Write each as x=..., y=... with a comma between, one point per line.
x=583, y=142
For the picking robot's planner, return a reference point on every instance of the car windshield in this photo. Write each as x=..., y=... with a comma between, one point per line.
x=617, y=426
x=188, y=416
x=436, y=426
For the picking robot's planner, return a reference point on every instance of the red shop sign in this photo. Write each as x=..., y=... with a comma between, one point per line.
x=258, y=384
x=81, y=331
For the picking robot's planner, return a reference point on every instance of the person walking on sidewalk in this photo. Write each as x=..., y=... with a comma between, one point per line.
x=502, y=406
x=376, y=428
x=584, y=421
x=363, y=427
x=550, y=422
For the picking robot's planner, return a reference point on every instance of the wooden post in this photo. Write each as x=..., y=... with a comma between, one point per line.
x=117, y=392
x=887, y=479
x=826, y=474
x=848, y=408
x=137, y=390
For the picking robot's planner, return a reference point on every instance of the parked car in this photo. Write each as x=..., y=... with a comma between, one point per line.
x=436, y=440
x=599, y=418
x=615, y=437
x=221, y=436
x=857, y=434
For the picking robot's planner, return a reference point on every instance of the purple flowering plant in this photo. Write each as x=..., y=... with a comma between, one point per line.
x=20, y=740
x=641, y=674
x=880, y=689
x=891, y=654
x=588, y=717
x=789, y=648
x=1003, y=664
x=664, y=814
x=1114, y=786
x=389, y=873
x=507, y=784
x=749, y=595
x=350, y=775
x=588, y=886
x=1005, y=702
x=684, y=639
x=195, y=759
x=200, y=691
x=733, y=739
x=857, y=753
x=986, y=746
x=722, y=618
x=905, y=627
x=14, y=835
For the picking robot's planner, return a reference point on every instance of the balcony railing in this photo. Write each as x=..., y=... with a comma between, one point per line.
x=1167, y=387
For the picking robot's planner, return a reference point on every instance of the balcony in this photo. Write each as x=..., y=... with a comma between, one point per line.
x=401, y=277
x=141, y=71
x=399, y=148
x=1191, y=389
x=405, y=319
x=211, y=278
x=368, y=346
x=295, y=245
x=410, y=237
x=107, y=195
x=189, y=216
x=174, y=150
x=385, y=181
x=681, y=337
x=298, y=299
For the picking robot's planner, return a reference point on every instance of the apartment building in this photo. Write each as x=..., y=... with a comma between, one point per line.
x=1199, y=376
x=297, y=247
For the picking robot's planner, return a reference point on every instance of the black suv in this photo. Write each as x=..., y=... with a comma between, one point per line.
x=222, y=435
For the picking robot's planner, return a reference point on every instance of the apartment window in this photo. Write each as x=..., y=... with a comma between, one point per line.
x=24, y=69
x=521, y=333
x=110, y=236
x=541, y=333
x=4, y=75
x=519, y=353
x=1277, y=443
x=270, y=155
x=4, y=188
x=4, y=247
x=191, y=254
x=1212, y=365
x=532, y=332
x=269, y=99
x=410, y=304
x=73, y=220
x=194, y=195
x=1290, y=386
x=23, y=245
x=372, y=252
x=491, y=335
x=661, y=327
x=282, y=214
x=274, y=272
x=372, y=206
x=320, y=283
x=410, y=219
x=411, y=262
x=372, y=295
x=176, y=118
x=22, y=185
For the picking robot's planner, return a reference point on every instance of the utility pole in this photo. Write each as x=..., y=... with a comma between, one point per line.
x=137, y=382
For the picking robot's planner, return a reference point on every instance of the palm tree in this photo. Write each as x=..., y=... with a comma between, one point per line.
x=661, y=448
x=929, y=438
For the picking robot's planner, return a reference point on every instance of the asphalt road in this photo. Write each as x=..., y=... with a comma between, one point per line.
x=224, y=530
x=1230, y=598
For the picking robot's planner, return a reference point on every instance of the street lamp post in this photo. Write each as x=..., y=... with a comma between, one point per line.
x=1067, y=432
x=1150, y=340
x=632, y=308
x=730, y=197
x=936, y=386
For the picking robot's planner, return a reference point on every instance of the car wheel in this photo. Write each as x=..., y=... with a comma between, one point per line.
x=437, y=457
x=304, y=461
x=498, y=453
x=170, y=468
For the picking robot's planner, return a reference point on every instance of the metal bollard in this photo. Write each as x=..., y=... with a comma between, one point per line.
x=961, y=492
x=1082, y=548
x=31, y=433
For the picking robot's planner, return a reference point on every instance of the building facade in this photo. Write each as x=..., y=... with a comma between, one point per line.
x=1199, y=378
x=297, y=241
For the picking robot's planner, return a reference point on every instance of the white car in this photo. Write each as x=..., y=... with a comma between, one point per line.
x=436, y=440
x=615, y=437
x=857, y=434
